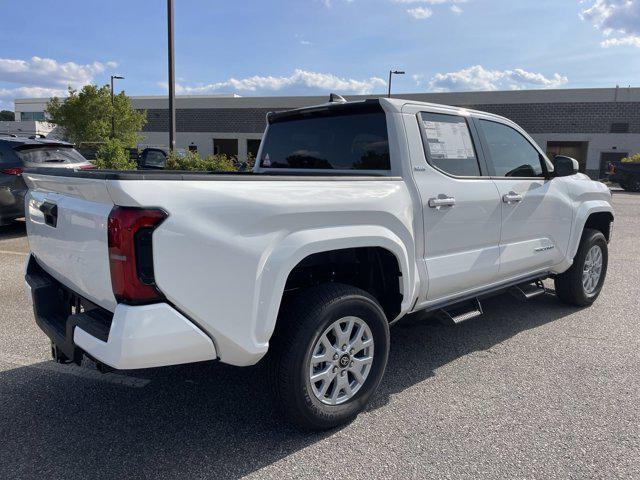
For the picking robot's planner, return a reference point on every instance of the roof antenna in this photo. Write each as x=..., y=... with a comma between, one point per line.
x=335, y=98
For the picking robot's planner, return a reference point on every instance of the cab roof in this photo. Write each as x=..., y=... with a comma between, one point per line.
x=394, y=105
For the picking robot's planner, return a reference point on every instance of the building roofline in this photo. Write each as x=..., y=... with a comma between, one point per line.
x=231, y=100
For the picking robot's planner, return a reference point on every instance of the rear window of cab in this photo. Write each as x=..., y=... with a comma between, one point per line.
x=349, y=137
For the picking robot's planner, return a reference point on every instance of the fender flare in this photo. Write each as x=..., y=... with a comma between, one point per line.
x=290, y=250
x=584, y=211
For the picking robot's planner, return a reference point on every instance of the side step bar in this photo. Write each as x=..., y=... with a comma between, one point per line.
x=527, y=291
x=462, y=312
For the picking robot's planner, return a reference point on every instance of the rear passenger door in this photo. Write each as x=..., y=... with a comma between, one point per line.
x=460, y=203
x=536, y=211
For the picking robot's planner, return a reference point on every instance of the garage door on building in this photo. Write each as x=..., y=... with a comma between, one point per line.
x=225, y=146
x=577, y=150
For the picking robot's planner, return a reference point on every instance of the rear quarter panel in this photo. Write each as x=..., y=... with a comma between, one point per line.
x=224, y=253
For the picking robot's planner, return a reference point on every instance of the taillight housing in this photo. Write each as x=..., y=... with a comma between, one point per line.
x=87, y=167
x=12, y=171
x=130, y=232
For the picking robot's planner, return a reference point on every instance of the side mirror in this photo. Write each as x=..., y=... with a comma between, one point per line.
x=564, y=166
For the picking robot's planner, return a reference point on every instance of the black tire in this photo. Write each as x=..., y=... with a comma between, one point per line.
x=569, y=287
x=300, y=324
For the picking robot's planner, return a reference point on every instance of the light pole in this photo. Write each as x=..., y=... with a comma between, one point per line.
x=113, y=106
x=393, y=72
x=172, y=93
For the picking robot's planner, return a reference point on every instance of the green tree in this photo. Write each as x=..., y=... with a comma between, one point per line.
x=632, y=159
x=112, y=156
x=85, y=116
x=7, y=115
x=194, y=162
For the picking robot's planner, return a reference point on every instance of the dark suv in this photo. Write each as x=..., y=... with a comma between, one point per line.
x=18, y=153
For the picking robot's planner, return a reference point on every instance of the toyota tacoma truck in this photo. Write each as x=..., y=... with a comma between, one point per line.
x=356, y=214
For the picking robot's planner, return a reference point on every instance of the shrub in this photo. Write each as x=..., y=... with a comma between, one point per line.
x=632, y=159
x=112, y=156
x=192, y=161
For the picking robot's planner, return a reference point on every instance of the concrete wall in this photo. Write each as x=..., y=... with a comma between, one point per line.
x=26, y=128
x=598, y=143
x=572, y=115
x=203, y=140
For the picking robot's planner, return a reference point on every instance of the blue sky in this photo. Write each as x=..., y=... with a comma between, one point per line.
x=300, y=47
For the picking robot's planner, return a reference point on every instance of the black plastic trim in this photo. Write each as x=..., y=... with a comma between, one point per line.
x=57, y=312
x=301, y=176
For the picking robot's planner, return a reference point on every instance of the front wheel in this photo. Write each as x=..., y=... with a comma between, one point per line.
x=582, y=283
x=328, y=355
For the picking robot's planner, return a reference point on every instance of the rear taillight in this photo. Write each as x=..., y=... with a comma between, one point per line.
x=12, y=171
x=131, y=254
x=87, y=167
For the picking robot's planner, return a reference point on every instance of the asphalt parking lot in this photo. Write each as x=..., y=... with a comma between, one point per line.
x=530, y=390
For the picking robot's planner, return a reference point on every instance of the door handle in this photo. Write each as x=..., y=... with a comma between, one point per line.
x=442, y=201
x=511, y=197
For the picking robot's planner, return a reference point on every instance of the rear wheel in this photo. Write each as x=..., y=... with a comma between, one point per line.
x=582, y=283
x=328, y=355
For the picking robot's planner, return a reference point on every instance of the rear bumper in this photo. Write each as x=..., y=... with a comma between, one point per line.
x=131, y=337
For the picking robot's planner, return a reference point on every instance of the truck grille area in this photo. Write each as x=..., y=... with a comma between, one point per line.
x=58, y=310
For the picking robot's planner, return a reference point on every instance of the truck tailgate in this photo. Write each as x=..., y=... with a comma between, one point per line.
x=67, y=221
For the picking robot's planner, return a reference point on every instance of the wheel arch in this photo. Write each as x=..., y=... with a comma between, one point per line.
x=595, y=214
x=292, y=250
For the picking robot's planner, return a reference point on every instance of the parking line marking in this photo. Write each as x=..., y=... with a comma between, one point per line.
x=9, y=252
x=76, y=371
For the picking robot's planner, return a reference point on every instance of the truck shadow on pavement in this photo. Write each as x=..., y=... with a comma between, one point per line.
x=208, y=420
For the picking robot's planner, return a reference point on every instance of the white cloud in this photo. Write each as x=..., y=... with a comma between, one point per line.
x=632, y=40
x=7, y=95
x=479, y=78
x=45, y=77
x=420, y=8
x=49, y=73
x=618, y=20
x=298, y=83
x=420, y=13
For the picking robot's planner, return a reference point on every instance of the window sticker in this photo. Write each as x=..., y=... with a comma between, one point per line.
x=449, y=140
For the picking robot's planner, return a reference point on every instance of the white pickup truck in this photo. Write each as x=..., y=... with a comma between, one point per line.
x=356, y=214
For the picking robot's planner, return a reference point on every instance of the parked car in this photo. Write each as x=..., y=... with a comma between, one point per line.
x=155, y=158
x=17, y=153
x=356, y=214
x=89, y=150
x=625, y=174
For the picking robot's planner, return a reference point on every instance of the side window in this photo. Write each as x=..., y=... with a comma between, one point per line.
x=449, y=144
x=511, y=155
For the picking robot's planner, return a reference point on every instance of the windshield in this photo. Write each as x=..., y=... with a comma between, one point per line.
x=336, y=138
x=52, y=154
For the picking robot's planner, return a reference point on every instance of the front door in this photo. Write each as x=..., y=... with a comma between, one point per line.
x=460, y=204
x=536, y=211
